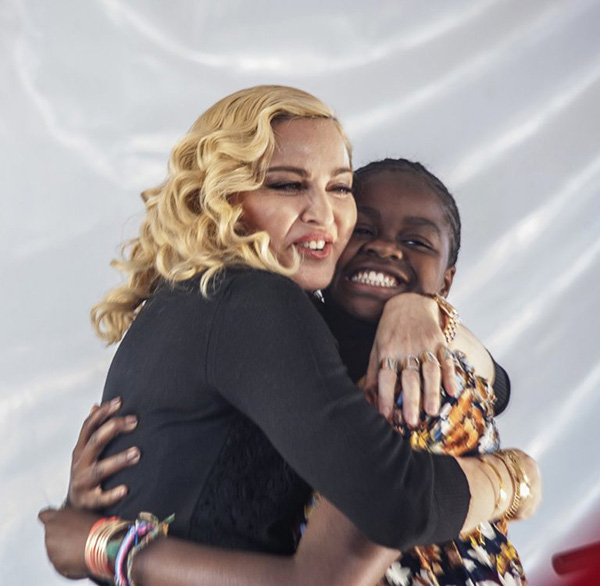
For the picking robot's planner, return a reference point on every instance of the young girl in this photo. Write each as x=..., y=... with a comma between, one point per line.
x=407, y=238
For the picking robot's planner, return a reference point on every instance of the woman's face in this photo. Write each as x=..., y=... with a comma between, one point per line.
x=401, y=243
x=305, y=203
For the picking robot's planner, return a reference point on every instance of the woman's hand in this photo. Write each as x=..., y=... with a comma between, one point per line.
x=410, y=326
x=66, y=534
x=87, y=471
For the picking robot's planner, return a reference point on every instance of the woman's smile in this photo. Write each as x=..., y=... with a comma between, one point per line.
x=305, y=204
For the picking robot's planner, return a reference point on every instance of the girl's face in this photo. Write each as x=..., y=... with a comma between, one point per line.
x=401, y=243
x=306, y=202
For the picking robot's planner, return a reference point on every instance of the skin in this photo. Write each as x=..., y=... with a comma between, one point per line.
x=401, y=232
x=314, y=207
x=306, y=196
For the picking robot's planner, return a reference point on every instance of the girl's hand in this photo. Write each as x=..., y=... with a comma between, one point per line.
x=87, y=471
x=66, y=534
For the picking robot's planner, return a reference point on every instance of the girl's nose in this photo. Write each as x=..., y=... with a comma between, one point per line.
x=384, y=249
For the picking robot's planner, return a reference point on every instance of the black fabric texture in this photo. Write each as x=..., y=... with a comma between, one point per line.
x=244, y=404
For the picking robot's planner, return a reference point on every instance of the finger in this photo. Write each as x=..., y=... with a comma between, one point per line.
x=104, y=434
x=96, y=418
x=448, y=370
x=432, y=378
x=101, y=499
x=46, y=514
x=372, y=369
x=386, y=379
x=411, y=395
x=103, y=469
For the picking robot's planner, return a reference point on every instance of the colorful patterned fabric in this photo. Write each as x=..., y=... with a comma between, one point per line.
x=465, y=426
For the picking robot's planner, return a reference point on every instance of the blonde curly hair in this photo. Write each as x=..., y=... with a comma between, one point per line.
x=192, y=225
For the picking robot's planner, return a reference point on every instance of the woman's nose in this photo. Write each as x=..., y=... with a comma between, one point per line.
x=319, y=208
x=384, y=249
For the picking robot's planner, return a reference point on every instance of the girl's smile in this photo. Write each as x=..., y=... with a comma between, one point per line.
x=400, y=244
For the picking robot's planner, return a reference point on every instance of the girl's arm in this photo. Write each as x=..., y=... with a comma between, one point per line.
x=331, y=552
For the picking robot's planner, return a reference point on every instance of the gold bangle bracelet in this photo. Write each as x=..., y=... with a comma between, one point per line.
x=502, y=496
x=520, y=482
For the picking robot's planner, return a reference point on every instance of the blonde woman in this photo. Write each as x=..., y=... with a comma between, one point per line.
x=242, y=402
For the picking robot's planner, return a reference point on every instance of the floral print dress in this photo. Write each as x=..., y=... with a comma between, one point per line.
x=465, y=426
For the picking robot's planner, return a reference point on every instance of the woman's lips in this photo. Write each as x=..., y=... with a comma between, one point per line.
x=317, y=246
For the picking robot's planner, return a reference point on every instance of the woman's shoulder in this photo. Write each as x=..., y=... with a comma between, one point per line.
x=256, y=284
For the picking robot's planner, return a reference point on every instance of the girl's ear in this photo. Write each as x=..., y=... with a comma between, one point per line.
x=448, y=278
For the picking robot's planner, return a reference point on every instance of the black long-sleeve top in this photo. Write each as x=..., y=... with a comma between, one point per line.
x=244, y=404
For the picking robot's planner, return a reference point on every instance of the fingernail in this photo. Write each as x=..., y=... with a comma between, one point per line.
x=94, y=407
x=116, y=401
x=131, y=420
x=133, y=454
x=122, y=491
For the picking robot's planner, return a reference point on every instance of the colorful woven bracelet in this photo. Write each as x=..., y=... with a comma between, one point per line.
x=145, y=530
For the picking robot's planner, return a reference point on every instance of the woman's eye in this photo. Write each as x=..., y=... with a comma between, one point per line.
x=341, y=190
x=286, y=186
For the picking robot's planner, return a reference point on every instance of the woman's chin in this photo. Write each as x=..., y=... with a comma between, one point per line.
x=313, y=278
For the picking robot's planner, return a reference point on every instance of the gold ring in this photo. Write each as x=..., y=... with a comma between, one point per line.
x=429, y=356
x=411, y=363
x=388, y=364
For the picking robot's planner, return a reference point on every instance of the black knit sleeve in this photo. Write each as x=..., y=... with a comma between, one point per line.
x=272, y=357
x=501, y=388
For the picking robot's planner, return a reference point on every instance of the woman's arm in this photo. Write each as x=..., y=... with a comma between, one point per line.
x=331, y=553
x=272, y=357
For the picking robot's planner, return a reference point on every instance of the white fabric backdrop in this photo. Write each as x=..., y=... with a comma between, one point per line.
x=499, y=97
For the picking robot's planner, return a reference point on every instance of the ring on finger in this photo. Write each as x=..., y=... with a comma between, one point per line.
x=429, y=356
x=388, y=363
x=444, y=353
x=411, y=363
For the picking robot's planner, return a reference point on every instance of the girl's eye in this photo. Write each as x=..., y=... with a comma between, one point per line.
x=416, y=242
x=364, y=231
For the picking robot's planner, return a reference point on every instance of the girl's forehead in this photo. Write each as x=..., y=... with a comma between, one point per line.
x=392, y=181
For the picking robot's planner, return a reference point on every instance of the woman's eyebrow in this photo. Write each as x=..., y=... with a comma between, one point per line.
x=297, y=170
x=303, y=173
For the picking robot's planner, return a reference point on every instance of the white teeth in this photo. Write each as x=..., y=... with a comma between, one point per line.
x=374, y=279
x=313, y=244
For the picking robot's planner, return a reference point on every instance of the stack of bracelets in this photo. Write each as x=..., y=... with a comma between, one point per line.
x=520, y=482
x=113, y=543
